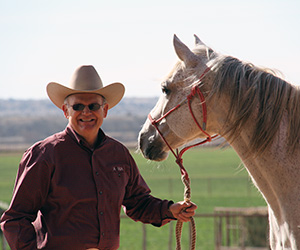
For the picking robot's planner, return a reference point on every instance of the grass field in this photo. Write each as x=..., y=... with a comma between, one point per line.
x=218, y=179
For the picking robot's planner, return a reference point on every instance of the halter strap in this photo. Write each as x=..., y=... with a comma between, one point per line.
x=178, y=154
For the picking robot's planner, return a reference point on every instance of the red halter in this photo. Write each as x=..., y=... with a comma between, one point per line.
x=178, y=155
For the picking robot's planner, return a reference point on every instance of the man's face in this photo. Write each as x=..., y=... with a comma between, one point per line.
x=85, y=122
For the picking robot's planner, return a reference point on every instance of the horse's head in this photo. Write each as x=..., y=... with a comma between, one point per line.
x=178, y=127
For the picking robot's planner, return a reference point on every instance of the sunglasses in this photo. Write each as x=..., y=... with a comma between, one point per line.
x=80, y=106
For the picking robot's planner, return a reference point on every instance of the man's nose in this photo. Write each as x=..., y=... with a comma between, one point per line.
x=86, y=110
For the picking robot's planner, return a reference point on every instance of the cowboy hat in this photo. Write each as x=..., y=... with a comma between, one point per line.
x=85, y=80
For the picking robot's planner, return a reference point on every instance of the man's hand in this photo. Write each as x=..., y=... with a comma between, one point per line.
x=183, y=210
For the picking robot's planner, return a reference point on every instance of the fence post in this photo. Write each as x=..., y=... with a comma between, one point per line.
x=3, y=240
x=144, y=237
x=218, y=231
x=170, y=235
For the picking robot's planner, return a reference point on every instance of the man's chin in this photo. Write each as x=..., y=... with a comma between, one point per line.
x=87, y=130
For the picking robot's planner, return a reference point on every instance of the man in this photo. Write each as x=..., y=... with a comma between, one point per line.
x=70, y=187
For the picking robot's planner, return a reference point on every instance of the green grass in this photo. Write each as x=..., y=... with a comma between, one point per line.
x=8, y=170
x=218, y=179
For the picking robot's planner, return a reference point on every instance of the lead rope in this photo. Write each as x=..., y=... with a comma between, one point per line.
x=187, y=198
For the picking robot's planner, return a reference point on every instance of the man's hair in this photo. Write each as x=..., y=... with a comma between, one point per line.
x=103, y=99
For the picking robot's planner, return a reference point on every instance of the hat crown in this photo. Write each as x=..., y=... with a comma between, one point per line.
x=86, y=78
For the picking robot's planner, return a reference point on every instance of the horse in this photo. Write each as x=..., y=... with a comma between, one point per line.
x=252, y=108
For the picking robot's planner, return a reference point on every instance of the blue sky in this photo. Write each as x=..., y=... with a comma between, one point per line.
x=131, y=41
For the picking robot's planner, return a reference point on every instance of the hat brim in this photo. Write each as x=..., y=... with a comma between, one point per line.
x=113, y=93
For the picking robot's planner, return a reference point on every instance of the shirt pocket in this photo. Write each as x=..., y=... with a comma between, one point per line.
x=118, y=180
x=120, y=174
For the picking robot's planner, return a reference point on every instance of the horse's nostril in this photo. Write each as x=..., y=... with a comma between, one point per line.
x=142, y=139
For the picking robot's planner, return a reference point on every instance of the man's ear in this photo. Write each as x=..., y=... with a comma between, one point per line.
x=105, y=110
x=66, y=111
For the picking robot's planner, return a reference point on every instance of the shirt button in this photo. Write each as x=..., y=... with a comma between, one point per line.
x=102, y=234
x=100, y=192
x=101, y=213
x=97, y=173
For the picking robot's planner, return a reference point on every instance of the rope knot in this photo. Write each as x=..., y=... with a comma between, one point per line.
x=193, y=92
x=179, y=161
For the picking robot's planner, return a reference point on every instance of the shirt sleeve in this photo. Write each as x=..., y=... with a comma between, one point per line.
x=140, y=205
x=30, y=191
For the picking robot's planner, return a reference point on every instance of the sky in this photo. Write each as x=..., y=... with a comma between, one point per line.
x=131, y=41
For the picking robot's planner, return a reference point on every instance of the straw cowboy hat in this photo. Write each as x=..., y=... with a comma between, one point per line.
x=85, y=80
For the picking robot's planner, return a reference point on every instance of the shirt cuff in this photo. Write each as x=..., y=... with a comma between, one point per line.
x=166, y=213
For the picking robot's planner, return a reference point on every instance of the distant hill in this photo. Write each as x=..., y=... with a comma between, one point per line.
x=13, y=107
x=23, y=122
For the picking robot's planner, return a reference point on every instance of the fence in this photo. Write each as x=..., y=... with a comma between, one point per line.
x=202, y=187
x=230, y=230
x=241, y=228
x=234, y=229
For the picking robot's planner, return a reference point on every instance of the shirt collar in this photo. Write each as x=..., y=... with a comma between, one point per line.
x=79, y=139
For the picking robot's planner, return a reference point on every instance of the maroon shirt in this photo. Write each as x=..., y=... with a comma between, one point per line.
x=67, y=196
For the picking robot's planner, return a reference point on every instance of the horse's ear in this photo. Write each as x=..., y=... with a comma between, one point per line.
x=184, y=53
x=198, y=41
x=209, y=51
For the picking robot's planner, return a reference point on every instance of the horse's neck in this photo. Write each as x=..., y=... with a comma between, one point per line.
x=276, y=174
x=275, y=171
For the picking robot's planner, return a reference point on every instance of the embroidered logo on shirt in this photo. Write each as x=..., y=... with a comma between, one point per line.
x=118, y=169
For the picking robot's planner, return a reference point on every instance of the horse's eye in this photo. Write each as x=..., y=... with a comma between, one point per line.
x=165, y=90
